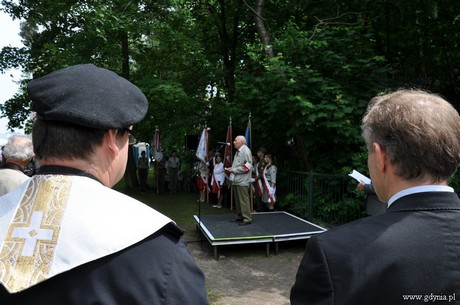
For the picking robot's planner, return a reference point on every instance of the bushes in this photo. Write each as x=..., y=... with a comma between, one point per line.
x=330, y=199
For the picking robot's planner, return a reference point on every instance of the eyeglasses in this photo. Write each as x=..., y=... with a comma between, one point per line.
x=132, y=138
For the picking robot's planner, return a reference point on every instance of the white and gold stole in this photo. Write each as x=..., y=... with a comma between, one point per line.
x=54, y=223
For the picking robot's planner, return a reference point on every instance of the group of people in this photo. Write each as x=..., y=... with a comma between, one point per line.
x=164, y=167
x=264, y=175
x=67, y=238
x=251, y=177
x=211, y=179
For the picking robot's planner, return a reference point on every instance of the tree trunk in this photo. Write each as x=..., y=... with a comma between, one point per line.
x=228, y=40
x=130, y=175
x=262, y=30
x=264, y=36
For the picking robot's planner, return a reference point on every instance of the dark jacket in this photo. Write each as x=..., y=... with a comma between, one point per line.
x=411, y=250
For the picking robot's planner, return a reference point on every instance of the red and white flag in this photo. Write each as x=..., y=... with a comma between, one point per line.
x=202, y=150
x=228, y=152
x=228, y=148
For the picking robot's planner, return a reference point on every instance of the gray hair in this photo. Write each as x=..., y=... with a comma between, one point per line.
x=242, y=139
x=419, y=131
x=19, y=148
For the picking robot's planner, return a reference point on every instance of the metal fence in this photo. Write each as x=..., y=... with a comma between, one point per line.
x=328, y=199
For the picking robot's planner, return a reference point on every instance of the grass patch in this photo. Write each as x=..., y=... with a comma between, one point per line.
x=180, y=206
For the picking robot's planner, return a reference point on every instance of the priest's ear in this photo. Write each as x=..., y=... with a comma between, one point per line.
x=113, y=141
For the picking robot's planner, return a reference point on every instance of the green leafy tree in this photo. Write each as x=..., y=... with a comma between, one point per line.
x=305, y=70
x=312, y=88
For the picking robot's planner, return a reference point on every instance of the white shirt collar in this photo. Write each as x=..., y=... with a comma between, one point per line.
x=241, y=147
x=419, y=189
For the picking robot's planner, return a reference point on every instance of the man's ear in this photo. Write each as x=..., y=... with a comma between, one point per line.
x=381, y=157
x=111, y=142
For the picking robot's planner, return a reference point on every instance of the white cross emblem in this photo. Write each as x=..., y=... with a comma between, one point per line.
x=33, y=233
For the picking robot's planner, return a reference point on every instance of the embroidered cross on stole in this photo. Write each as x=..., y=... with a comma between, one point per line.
x=27, y=253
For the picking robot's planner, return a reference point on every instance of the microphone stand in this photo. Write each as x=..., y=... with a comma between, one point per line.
x=199, y=208
x=221, y=147
x=199, y=224
x=199, y=221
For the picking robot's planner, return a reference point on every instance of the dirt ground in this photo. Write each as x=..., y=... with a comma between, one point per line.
x=244, y=275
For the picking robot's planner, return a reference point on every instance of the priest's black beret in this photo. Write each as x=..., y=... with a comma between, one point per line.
x=89, y=96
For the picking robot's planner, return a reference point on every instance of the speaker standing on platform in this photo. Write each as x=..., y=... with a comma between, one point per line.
x=240, y=175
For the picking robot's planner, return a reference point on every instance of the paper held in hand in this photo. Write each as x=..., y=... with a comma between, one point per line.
x=359, y=177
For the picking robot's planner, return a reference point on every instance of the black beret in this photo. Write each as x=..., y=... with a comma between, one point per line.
x=89, y=96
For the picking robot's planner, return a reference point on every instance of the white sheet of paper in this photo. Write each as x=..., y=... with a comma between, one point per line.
x=359, y=177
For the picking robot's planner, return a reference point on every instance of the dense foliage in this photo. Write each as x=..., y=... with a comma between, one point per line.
x=304, y=70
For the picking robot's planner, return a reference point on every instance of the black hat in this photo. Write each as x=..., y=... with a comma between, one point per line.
x=89, y=96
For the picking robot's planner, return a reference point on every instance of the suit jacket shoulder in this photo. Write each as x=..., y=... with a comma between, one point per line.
x=381, y=259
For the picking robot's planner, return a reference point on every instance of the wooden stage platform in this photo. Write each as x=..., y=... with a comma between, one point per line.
x=266, y=227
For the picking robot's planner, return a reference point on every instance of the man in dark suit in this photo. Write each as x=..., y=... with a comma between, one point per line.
x=411, y=253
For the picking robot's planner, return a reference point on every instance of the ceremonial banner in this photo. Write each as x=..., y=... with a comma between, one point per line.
x=202, y=150
x=156, y=151
x=248, y=134
x=228, y=148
